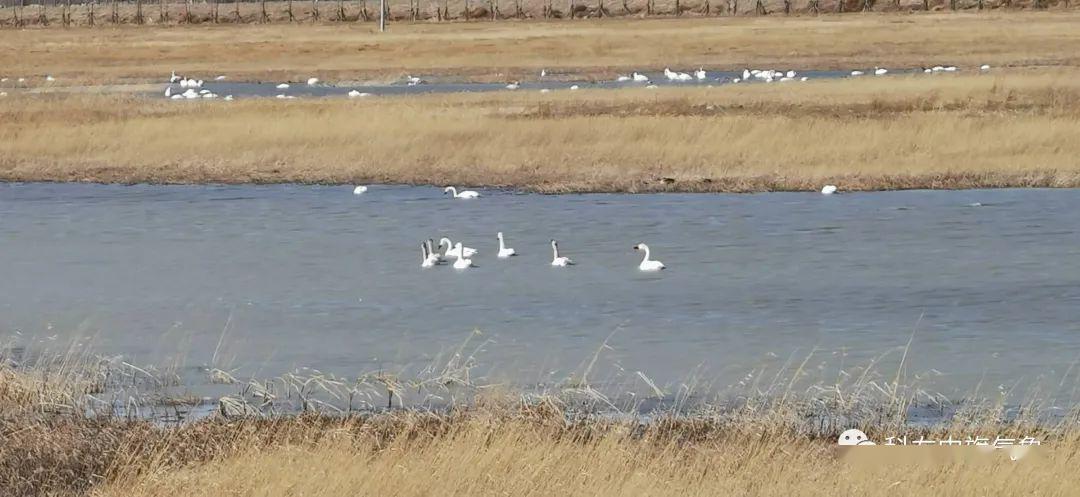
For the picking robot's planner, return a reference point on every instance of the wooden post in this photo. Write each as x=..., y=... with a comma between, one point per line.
x=138, y=12
x=314, y=10
x=760, y=8
x=163, y=12
x=787, y=7
x=678, y=8
x=288, y=9
x=43, y=14
x=115, y=15
x=814, y=7
x=214, y=11
x=569, y=9
x=90, y=13
x=236, y=11
x=382, y=16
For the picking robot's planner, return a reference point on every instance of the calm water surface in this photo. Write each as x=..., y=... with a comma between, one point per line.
x=315, y=276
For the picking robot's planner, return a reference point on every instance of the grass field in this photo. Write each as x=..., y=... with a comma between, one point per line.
x=862, y=134
x=518, y=50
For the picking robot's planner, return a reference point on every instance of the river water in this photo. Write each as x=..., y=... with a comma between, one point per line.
x=263, y=279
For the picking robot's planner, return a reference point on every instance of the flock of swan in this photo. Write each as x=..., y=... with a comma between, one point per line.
x=193, y=88
x=462, y=255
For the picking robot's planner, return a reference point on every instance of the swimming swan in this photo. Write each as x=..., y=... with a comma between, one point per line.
x=505, y=251
x=431, y=250
x=456, y=251
x=556, y=260
x=646, y=263
x=360, y=190
x=828, y=190
x=462, y=263
x=426, y=260
x=464, y=194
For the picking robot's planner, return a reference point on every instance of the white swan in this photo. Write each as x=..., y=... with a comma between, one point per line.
x=646, y=263
x=856, y=73
x=505, y=251
x=671, y=75
x=220, y=78
x=640, y=78
x=168, y=91
x=556, y=260
x=746, y=74
x=880, y=71
x=228, y=98
x=174, y=78
x=312, y=81
x=622, y=79
x=413, y=81
x=360, y=190
x=463, y=263
x=791, y=74
x=513, y=86
x=574, y=87
x=426, y=259
x=700, y=74
x=464, y=194
x=431, y=250
x=984, y=67
x=828, y=190
x=282, y=86
x=456, y=250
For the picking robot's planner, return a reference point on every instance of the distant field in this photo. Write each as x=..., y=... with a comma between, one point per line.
x=862, y=134
x=510, y=50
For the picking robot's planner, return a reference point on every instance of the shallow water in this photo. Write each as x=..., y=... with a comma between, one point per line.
x=315, y=276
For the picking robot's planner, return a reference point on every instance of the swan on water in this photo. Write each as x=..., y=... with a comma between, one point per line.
x=573, y=87
x=220, y=78
x=203, y=92
x=622, y=79
x=640, y=78
x=456, y=250
x=700, y=74
x=426, y=260
x=312, y=81
x=228, y=98
x=505, y=251
x=413, y=80
x=676, y=76
x=359, y=190
x=357, y=93
x=949, y=69
x=431, y=250
x=282, y=86
x=463, y=263
x=174, y=78
x=465, y=194
x=857, y=73
x=984, y=67
x=828, y=190
x=168, y=91
x=746, y=74
x=543, y=72
x=648, y=264
x=209, y=95
x=804, y=78
x=791, y=74
x=513, y=86
x=880, y=71
x=556, y=259
x=736, y=80
x=190, y=93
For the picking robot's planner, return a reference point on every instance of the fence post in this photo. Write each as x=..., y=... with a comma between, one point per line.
x=382, y=16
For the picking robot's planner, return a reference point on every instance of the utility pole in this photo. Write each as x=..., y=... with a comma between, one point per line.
x=382, y=16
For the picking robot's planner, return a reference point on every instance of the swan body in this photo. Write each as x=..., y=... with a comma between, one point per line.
x=282, y=86
x=513, y=86
x=828, y=190
x=190, y=93
x=228, y=98
x=622, y=79
x=746, y=74
x=857, y=73
x=556, y=260
x=431, y=251
x=984, y=67
x=464, y=251
x=671, y=75
x=359, y=190
x=220, y=78
x=168, y=91
x=413, y=80
x=700, y=74
x=880, y=71
x=790, y=74
x=736, y=80
x=505, y=251
x=640, y=78
x=949, y=69
x=648, y=264
x=464, y=194
x=312, y=81
x=463, y=263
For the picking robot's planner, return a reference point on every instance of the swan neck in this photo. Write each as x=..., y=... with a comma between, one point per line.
x=647, y=253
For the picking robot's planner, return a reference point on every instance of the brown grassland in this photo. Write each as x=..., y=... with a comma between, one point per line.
x=993, y=130
x=513, y=50
x=499, y=446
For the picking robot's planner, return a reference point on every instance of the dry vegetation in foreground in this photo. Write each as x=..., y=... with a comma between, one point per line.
x=505, y=51
x=500, y=445
x=864, y=134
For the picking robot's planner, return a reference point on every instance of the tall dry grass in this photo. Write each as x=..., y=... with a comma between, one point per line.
x=507, y=51
x=871, y=133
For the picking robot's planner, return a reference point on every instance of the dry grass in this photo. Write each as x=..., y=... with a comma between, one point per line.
x=873, y=133
x=505, y=51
